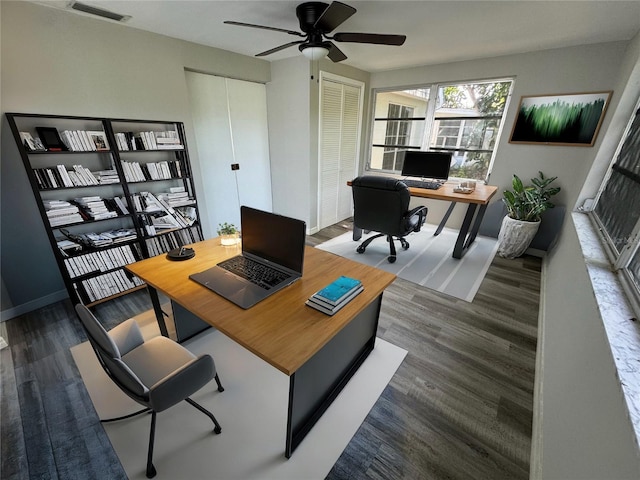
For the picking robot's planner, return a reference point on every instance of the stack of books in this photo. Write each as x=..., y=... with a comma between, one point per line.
x=61, y=212
x=335, y=295
x=95, y=208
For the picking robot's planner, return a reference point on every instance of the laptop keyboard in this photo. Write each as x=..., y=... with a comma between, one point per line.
x=262, y=275
x=429, y=185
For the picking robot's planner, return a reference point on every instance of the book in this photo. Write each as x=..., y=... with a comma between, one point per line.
x=337, y=290
x=28, y=141
x=313, y=302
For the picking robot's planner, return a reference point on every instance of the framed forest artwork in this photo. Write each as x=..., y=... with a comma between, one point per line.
x=565, y=119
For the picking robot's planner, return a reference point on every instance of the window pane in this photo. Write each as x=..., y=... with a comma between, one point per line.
x=473, y=165
x=619, y=208
x=387, y=158
x=480, y=134
x=479, y=98
x=467, y=117
x=629, y=156
x=634, y=269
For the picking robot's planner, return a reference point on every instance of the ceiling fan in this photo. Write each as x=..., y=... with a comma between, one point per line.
x=317, y=20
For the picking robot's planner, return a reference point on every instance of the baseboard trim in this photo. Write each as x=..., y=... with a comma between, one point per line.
x=535, y=463
x=33, y=305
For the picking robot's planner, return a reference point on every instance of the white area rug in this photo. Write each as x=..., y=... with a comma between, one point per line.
x=427, y=262
x=252, y=412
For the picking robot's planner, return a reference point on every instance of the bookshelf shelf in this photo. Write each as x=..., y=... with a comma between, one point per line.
x=94, y=273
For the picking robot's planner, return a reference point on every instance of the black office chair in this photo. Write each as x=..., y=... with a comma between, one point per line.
x=157, y=373
x=381, y=204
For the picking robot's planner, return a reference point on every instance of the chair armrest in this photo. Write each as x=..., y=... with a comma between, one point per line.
x=126, y=336
x=182, y=383
x=417, y=210
x=421, y=211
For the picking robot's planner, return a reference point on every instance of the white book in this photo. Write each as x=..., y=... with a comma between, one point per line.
x=139, y=174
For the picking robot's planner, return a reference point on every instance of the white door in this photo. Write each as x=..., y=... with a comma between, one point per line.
x=339, y=137
x=230, y=123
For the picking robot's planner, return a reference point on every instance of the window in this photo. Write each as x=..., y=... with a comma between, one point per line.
x=617, y=208
x=398, y=133
x=464, y=119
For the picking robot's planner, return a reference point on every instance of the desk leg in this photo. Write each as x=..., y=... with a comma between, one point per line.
x=357, y=233
x=476, y=226
x=316, y=384
x=460, y=248
x=155, y=301
x=444, y=219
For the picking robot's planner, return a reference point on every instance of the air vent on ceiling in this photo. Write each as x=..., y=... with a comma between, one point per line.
x=83, y=7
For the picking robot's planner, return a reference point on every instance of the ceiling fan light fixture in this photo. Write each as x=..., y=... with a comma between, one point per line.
x=314, y=53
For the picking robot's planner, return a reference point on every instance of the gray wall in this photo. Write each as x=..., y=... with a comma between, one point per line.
x=62, y=63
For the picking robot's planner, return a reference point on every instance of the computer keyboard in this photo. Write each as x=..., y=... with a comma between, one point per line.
x=262, y=275
x=428, y=184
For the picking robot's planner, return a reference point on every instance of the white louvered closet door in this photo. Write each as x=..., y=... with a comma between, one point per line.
x=340, y=119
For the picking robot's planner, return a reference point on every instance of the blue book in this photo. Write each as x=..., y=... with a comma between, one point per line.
x=337, y=290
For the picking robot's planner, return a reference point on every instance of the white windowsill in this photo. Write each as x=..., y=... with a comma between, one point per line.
x=622, y=332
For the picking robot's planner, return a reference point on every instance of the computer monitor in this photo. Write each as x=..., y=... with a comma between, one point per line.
x=433, y=165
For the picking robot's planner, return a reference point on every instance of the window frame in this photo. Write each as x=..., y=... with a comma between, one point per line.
x=430, y=121
x=620, y=260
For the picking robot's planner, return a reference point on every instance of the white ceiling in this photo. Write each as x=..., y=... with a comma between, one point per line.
x=437, y=31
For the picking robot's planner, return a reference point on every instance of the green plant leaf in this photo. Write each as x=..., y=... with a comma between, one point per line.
x=529, y=202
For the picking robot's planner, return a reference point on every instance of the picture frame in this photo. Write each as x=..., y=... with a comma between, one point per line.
x=571, y=119
x=99, y=139
x=51, y=139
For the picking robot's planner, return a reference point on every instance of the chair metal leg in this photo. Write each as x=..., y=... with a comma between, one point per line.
x=151, y=470
x=361, y=248
x=392, y=249
x=124, y=417
x=220, y=388
x=217, y=428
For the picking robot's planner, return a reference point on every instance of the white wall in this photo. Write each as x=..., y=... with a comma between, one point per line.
x=289, y=137
x=293, y=107
x=61, y=63
x=585, y=431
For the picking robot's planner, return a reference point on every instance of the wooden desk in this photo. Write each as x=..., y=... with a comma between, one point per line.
x=477, y=204
x=318, y=352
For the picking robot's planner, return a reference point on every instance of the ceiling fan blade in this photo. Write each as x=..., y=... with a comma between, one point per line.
x=334, y=15
x=277, y=49
x=335, y=54
x=377, y=38
x=240, y=24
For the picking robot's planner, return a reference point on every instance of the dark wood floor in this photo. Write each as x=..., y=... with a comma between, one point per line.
x=459, y=407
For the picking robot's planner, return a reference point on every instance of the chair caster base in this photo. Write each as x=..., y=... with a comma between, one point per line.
x=360, y=250
x=391, y=258
x=217, y=430
x=404, y=243
x=151, y=471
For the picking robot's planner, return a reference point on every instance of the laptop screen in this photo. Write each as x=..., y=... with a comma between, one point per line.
x=273, y=237
x=434, y=165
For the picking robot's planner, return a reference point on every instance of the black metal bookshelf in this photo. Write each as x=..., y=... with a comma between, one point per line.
x=94, y=273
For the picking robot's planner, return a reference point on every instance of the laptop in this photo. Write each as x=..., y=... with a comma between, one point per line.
x=272, y=258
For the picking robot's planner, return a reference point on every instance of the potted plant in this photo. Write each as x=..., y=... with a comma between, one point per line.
x=525, y=205
x=228, y=233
